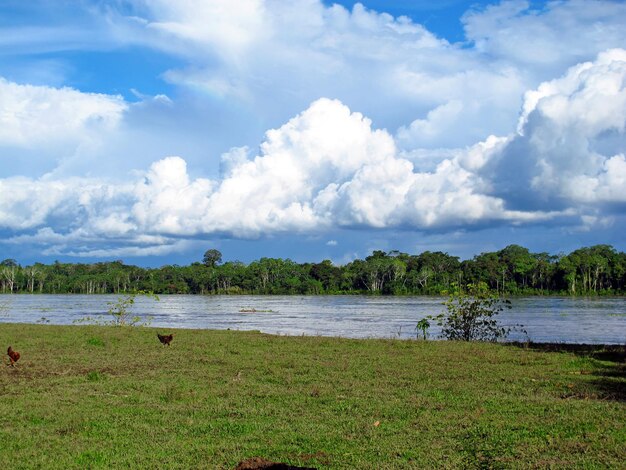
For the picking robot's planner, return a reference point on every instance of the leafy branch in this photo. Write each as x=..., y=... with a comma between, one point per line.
x=470, y=315
x=120, y=310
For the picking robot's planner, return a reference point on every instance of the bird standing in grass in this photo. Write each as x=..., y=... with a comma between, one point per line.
x=165, y=339
x=14, y=356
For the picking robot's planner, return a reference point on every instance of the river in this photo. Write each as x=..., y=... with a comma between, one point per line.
x=545, y=319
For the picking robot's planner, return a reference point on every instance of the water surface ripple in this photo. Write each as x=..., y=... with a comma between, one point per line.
x=546, y=319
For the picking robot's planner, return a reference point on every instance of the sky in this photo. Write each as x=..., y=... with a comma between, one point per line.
x=150, y=131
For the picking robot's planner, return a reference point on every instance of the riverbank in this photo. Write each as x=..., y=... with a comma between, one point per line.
x=104, y=397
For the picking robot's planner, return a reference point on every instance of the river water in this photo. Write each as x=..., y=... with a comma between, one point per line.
x=545, y=319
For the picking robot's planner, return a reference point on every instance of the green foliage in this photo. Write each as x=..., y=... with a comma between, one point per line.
x=120, y=310
x=212, y=258
x=423, y=325
x=514, y=270
x=470, y=315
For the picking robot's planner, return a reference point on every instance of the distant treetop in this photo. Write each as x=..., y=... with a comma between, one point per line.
x=212, y=258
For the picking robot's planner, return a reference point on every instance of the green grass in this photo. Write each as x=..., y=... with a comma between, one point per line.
x=106, y=397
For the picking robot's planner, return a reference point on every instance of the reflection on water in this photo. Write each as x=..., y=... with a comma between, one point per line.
x=555, y=319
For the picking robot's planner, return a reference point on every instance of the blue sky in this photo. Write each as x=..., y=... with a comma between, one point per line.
x=150, y=130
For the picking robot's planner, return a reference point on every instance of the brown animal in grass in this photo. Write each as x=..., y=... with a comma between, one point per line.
x=165, y=339
x=14, y=356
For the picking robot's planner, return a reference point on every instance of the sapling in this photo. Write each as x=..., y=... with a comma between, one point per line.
x=423, y=325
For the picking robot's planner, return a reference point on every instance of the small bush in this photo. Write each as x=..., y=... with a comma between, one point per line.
x=120, y=311
x=470, y=315
x=423, y=325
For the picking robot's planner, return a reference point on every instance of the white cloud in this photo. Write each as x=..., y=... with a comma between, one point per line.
x=56, y=130
x=548, y=38
x=226, y=28
x=65, y=133
x=157, y=249
x=571, y=139
x=275, y=57
x=325, y=168
x=167, y=201
x=436, y=150
x=40, y=116
x=423, y=131
x=26, y=203
x=249, y=65
x=91, y=206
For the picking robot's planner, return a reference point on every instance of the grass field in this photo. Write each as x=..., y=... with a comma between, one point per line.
x=106, y=397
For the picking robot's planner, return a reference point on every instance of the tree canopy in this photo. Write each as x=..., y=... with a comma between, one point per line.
x=514, y=270
x=212, y=258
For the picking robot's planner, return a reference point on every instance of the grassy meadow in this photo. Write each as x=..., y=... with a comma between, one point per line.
x=107, y=397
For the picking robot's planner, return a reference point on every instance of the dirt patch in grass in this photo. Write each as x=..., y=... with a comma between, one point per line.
x=259, y=463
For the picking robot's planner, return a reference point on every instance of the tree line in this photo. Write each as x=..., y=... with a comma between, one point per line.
x=514, y=270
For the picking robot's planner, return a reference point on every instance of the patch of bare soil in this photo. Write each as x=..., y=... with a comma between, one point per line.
x=259, y=463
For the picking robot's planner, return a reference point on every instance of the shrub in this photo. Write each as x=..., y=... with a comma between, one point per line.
x=120, y=310
x=470, y=315
x=423, y=326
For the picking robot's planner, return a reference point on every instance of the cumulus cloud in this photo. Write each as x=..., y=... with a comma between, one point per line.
x=570, y=144
x=40, y=115
x=276, y=57
x=63, y=132
x=422, y=132
x=67, y=203
x=273, y=191
x=42, y=128
x=423, y=136
x=326, y=168
x=241, y=67
x=167, y=201
x=26, y=203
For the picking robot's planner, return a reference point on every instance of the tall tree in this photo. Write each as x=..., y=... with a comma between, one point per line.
x=212, y=258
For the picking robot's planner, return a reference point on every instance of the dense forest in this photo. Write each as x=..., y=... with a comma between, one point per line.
x=514, y=270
